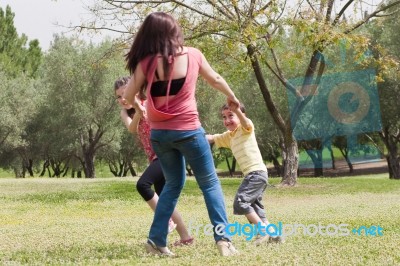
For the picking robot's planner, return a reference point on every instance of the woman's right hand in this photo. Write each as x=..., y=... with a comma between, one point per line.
x=139, y=108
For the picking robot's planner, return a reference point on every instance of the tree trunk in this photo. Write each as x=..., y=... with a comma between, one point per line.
x=113, y=168
x=318, y=171
x=66, y=171
x=121, y=164
x=56, y=166
x=332, y=156
x=131, y=169
x=290, y=150
x=45, y=166
x=351, y=168
x=229, y=166
x=277, y=166
x=28, y=166
x=233, y=164
x=393, y=165
x=89, y=164
x=316, y=157
x=290, y=155
x=89, y=144
x=392, y=157
x=345, y=152
x=49, y=172
x=189, y=170
x=18, y=172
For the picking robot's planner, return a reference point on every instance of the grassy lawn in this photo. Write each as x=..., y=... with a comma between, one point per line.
x=105, y=222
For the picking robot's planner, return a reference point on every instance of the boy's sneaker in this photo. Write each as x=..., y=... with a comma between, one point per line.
x=226, y=248
x=260, y=239
x=276, y=239
x=153, y=249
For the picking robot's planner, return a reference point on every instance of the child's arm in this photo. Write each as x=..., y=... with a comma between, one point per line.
x=210, y=139
x=244, y=121
x=131, y=124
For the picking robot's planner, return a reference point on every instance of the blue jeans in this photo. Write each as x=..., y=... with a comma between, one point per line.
x=173, y=147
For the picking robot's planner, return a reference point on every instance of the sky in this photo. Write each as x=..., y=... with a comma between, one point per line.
x=37, y=19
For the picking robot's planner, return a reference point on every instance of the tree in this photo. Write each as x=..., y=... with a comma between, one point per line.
x=386, y=58
x=15, y=57
x=128, y=155
x=19, y=64
x=257, y=29
x=81, y=105
x=19, y=98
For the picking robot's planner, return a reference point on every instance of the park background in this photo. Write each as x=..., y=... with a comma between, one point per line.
x=76, y=164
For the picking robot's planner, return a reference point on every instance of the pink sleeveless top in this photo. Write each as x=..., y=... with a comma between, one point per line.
x=179, y=112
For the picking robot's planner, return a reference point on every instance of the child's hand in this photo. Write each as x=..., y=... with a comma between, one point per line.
x=140, y=109
x=233, y=103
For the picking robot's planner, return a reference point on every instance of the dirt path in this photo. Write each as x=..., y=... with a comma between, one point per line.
x=342, y=169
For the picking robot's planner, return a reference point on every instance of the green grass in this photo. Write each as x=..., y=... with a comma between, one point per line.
x=105, y=222
x=102, y=170
x=5, y=173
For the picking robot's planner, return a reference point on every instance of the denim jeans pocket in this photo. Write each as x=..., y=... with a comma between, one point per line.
x=185, y=140
x=155, y=143
x=189, y=146
x=157, y=146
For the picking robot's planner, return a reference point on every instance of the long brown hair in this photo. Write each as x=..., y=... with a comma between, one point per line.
x=161, y=34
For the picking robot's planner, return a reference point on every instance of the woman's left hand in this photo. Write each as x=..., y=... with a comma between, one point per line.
x=233, y=102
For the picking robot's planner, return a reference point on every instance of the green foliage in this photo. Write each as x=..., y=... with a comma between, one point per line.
x=19, y=98
x=386, y=52
x=20, y=93
x=15, y=56
x=83, y=111
x=71, y=101
x=386, y=59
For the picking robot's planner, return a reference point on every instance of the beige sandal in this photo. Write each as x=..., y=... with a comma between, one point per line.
x=153, y=249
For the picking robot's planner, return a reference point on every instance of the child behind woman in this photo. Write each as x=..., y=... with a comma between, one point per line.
x=136, y=123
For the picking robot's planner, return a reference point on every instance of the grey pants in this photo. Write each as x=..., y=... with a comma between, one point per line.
x=249, y=195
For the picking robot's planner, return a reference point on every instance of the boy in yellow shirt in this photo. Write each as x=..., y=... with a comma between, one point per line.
x=241, y=139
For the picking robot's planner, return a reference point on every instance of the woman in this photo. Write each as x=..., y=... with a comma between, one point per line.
x=168, y=71
x=153, y=175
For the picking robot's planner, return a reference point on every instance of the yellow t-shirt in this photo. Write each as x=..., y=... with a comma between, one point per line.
x=242, y=141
